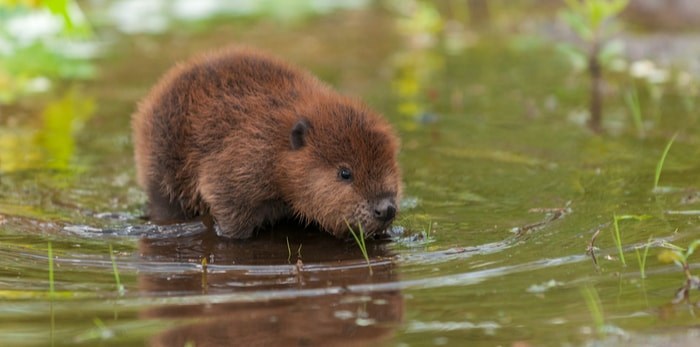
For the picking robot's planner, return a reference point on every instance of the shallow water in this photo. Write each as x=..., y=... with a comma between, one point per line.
x=504, y=191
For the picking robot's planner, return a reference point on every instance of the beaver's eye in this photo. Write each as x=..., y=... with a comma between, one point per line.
x=345, y=174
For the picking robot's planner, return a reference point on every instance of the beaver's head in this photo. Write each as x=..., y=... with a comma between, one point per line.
x=341, y=168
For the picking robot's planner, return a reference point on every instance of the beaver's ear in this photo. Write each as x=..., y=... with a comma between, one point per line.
x=299, y=133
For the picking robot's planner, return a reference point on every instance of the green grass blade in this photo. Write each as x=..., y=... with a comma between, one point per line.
x=590, y=295
x=639, y=262
x=360, y=240
x=632, y=101
x=642, y=259
x=660, y=164
x=357, y=240
x=691, y=249
x=120, y=288
x=205, y=281
x=363, y=246
x=618, y=239
x=52, y=290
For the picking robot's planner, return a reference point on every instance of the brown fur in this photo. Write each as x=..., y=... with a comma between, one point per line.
x=250, y=139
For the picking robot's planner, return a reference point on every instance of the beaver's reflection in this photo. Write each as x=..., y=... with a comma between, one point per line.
x=318, y=303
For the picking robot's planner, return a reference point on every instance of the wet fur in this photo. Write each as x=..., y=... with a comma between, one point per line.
x=250, y=139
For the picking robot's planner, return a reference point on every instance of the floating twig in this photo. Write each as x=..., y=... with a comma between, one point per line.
x=552, y=214
x=590, y=250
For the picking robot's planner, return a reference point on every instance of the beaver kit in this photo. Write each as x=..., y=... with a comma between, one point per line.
x=248, y=140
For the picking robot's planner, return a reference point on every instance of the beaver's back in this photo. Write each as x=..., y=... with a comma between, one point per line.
x=197, y=105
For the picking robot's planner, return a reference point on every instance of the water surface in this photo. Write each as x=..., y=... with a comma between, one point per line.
x=505, y=189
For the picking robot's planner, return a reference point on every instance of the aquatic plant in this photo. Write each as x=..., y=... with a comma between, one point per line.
x=360, y=240
x=642, y=259
x=289, y=251
x=660, y=164
x=204, y=263
x=617, y=237
x=679, y=256
x=120, y=287
x=632, y=101
x=652, y=77
x=588, y=18
x=590, y=295
x=52, y=291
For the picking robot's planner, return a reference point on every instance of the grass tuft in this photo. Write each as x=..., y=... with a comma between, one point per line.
x=617, y=235
x=642, y=259
x=660, y=164
x=618, y=239
x=360, y=240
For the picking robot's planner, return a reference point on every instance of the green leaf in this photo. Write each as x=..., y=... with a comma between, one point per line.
x=595, y=13
x=668, y=256
x=660, y=164
x=60, y=7
x=691, y=249
x=611, y=51
x=578, y=24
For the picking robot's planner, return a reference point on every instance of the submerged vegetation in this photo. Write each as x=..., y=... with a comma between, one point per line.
x=590, y=295
x=617, y=235
x=52, y=289
x=117, y=281
x=642, y=259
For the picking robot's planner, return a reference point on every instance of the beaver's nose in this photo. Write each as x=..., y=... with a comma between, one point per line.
x=385, y=210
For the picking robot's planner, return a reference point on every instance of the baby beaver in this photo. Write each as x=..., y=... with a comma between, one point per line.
x=249, y=139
